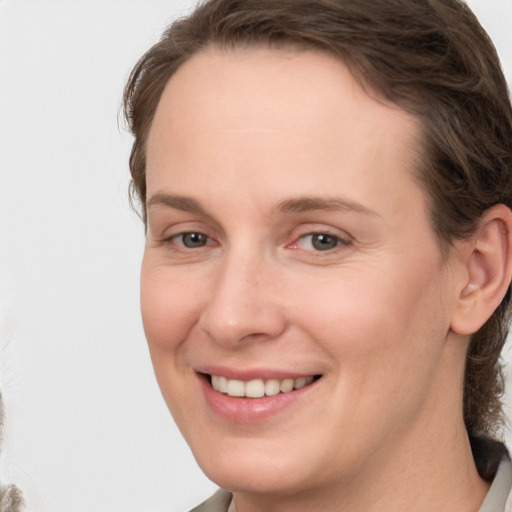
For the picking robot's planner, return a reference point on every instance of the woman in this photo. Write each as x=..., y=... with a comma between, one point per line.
x=326, y=189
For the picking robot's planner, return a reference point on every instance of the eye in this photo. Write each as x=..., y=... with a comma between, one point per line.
x=320, y=242
x=191, y=240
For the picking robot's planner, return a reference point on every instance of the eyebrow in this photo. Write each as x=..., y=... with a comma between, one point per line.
x=292, y=205
x=311, y=203
x=183, y=203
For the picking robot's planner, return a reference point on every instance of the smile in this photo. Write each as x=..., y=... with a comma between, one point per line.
x=258, y=388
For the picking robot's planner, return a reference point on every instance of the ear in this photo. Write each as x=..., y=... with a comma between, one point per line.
x=488, y=269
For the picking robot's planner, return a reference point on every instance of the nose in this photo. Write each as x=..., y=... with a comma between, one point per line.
x=244, y=303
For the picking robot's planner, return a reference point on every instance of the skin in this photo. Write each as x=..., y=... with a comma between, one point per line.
x=245, y=136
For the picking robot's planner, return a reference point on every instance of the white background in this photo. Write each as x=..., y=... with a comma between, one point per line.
x=87, y=430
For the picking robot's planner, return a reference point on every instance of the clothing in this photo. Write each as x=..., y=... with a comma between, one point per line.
x=219, y=502
x=501, y=488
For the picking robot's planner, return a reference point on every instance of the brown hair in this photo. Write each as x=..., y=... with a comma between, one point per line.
x=430, y=57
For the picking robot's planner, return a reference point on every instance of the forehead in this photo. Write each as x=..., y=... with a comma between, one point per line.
x=255, y=113
x=290, y=83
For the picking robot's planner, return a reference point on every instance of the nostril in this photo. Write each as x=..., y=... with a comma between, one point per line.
x=237, y=312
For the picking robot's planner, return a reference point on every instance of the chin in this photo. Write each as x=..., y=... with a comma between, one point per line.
x=254, y=477
x=257, y=465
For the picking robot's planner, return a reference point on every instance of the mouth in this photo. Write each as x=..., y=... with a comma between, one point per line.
x=253, y=396
x=259, y=388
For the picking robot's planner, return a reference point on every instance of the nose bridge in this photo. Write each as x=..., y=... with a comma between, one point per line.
x=242, y=304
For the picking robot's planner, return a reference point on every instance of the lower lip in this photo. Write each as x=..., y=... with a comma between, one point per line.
x=249, y=410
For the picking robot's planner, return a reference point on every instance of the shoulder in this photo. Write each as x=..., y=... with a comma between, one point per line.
x=219, y=502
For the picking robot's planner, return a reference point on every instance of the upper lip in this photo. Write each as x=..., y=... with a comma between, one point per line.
x=248, y=374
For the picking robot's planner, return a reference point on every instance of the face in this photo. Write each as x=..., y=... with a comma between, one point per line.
x=294, y=297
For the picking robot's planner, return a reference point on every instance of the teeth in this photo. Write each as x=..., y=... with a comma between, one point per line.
x=299, y=383
x=236, y=388
x=286, y=385
x=272, y=387
x=255, y=389
x=258, y=388
x=223, y=384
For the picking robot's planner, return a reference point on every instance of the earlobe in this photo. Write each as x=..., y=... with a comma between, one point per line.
x=488, y=271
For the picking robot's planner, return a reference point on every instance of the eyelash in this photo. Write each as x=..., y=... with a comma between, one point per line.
x=337, y=243
x=172, y=239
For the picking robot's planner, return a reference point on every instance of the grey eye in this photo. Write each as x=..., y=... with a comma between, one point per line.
x=193, y=240
x=324, y=242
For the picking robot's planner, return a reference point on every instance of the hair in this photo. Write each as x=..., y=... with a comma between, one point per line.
x=11, y=499
x=431, y=58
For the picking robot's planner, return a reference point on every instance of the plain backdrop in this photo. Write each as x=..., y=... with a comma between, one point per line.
x=87, y=430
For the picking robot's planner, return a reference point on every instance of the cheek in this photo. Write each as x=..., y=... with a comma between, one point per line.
x=384, y=338
x=379, y=328
x=169, y=307
x=168, y=314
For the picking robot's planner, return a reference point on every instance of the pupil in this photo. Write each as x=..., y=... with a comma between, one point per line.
x=324, y=242
x=194, y=240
